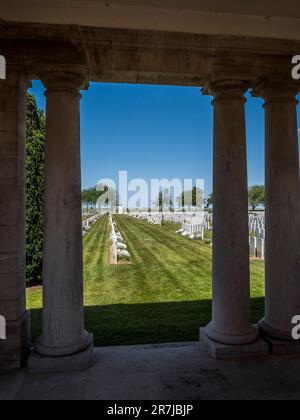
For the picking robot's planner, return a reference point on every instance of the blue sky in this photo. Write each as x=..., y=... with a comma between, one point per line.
x=155, y=132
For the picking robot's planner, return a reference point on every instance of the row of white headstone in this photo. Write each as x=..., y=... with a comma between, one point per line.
x=192, y=231
x=152, y=218
x=257, y=235
x=190, y=218
x=120, y=252
x=196, y=225
x=193, y=224
x=89, y=222
x=256, y=222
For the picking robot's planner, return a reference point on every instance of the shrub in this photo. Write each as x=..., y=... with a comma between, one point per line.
x=35, y=169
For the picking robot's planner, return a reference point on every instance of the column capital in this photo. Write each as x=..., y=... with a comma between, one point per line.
x=16, y=75
x=65, y=82
x=226, y=89
x=274, y=90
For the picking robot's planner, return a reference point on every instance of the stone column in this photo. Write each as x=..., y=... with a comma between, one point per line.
x=13, y=350
x=230, y=323
x=63, y=318
x=282, y=209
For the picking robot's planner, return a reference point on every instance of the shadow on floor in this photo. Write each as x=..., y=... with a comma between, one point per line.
x=167, y=372
x=147, y=323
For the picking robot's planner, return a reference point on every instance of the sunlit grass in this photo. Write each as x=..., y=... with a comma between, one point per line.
x=163, y=296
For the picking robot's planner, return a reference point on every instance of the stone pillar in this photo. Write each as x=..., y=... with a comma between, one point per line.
x=14, y=349
x=230, y=323
x=63, y=318
x=282, y=209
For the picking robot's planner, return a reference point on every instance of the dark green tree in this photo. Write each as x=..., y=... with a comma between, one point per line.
x=210, y=201
x=35, y=169
x=89, y=197
x=164, y=201
x=191, y=198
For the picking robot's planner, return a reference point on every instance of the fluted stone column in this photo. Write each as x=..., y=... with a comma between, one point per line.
x=14, y=349
x=63, y=318
x=282, y=209
x=230, y=323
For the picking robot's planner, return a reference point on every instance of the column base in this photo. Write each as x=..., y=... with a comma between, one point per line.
x=232, y=340
x=281, y=347
x=269, y=331
x=15, y=350
x=226, y=351
x=51, y=351
x=80, y=361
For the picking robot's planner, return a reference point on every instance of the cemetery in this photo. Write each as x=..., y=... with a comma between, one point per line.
x=162, y=296
x=163, y=246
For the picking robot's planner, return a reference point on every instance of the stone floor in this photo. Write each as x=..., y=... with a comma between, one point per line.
x=172, y=371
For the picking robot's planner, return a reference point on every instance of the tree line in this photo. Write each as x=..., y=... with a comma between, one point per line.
x=187, y=200
x=256, y=198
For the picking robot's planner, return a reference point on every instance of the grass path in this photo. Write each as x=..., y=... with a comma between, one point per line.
x=163, y=296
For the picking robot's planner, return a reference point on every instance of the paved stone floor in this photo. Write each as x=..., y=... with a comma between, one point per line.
x=171, y=371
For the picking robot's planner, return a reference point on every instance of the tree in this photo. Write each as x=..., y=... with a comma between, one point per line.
x=256, y=196
x=107, y=197
x=164, y=201
x=35, y=173
x=192, y=198
x=210, y=201
x=88, y=197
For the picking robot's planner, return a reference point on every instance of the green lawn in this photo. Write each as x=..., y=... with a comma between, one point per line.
x=163, y=296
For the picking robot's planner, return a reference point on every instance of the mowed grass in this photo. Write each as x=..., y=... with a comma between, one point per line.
x=164, y=295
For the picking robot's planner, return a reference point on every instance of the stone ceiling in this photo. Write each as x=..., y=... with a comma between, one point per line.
x=269, y=19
